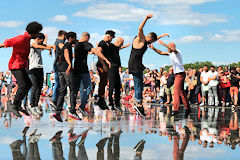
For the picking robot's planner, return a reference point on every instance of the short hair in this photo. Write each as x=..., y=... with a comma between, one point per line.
x=86, y=34
x=71, y=35
x=61, y=32
x=152, y=35
x=111, y=33
x=40, y=36
x=212, y=67
x=34, y=27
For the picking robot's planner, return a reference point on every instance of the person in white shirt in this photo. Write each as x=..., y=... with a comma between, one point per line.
x=213, y=83
x=176, y=59
x=205, y=87
x=52, y=79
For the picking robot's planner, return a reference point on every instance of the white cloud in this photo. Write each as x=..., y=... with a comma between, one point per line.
x=227, y=36
x=169, y=2
x=114, y=11
x=190, y=39
x=59, y=18
x=184, y=15
x=51, y=32
x=10, y=24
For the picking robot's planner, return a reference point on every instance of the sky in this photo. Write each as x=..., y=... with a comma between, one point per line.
x=203, y=30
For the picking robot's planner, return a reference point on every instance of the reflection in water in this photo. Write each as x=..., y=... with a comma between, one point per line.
x=205, y=128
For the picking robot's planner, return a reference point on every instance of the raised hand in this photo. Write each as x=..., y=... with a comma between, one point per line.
x=150, y=46
x=149, y=16
x=165, y=34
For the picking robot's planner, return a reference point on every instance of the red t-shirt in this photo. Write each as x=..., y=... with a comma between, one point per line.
x=21, y=49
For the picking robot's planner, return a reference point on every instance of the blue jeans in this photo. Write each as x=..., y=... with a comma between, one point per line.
x=83, y=81
x=56, y=86
x=138, y=86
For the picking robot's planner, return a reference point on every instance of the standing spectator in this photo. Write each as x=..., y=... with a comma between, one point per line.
x=198, y=86
x=52, y=79
x=205, y=87
x=170, y=86
x=234, y=80
x=213, y=83
x=127, y=78
x=163, y=83
x=224, y=86
x=93, y=80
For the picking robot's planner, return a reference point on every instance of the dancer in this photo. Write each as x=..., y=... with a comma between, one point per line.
x=66, y=78
x=36, y=70
x=103, y=47
x=176, y=58
x=114, y=77
x=18, y=63
x=81, y=72
x=135, y=65
x=59, y=43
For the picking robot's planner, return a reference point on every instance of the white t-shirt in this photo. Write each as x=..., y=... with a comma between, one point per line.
x=211, y=74
x=35, y=57
x=204, y=76
x=176, y=59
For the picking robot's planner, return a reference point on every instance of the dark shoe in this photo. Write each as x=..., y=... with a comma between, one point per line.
x=174, y=113
x=118, y=108
x=53, y=105
x=187, y=112
x=82, y=111
x=20, y=109
x=187, y=131
x=117, y=134
x=74, y=116
x=100, y=145
x=16, y=144
x=101, y=104
x=140, y=146
x=140, y=110
x=14, y=110
x=57, y=117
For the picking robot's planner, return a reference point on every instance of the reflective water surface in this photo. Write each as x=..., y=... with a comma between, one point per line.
x=209, y=133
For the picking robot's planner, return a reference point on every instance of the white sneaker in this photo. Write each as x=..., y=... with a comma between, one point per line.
x=37, y=109
x=202, y=104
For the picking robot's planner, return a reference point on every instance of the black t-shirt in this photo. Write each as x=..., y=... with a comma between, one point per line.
x=234, y=81
x=198, y=79
x=64, y=65
x=115, y=58
x=105, y=51
x=170, y=80
x=135, y=61
x=81, y=54
x=58, y=51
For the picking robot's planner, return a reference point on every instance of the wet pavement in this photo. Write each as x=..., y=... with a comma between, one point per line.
x=208, y=133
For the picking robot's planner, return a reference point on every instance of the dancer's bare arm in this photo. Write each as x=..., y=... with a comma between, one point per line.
x=140, y=39
x=125, y=46
x=158, y=51
x=163, y=35
x=67, y=58
x=165, y=45
x=100, y=55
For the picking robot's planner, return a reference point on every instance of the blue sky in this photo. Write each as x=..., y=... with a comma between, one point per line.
x=202, y=29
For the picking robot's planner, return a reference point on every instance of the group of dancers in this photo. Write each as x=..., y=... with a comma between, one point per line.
x=71, y=69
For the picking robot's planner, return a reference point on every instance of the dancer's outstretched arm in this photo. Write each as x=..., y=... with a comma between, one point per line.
x=140, y=29
x=163, y=35
x=158, y=51
x=165, y=45
x=125, y=46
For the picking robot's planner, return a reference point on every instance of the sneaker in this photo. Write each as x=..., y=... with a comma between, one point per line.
x=33, y=111
x=187, y=131
x=140, y=146
x=174, y=113
x=140, y=110
x=202, y=104
x=100, y=145
x=38, y=110
x=82, y=111
x=101, y=103
x=187, y=112
x=234, y=108
x=57, y=117
x=16, y=144
x=111, y=107
x=32, y=132
x=74, y=116
x=14, y=110
x=117, y=134
x=53, y=105
x=20, y=109
x=118, y=108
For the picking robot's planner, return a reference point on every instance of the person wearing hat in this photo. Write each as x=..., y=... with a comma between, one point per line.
x=104, y=48
x=135, y=65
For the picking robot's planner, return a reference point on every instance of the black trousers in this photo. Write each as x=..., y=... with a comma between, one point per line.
x=24, y=85
x=114, y=84
x=64, y=81
x=37, y=84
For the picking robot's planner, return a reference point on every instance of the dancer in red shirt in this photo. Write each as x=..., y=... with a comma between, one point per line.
x=19, y=62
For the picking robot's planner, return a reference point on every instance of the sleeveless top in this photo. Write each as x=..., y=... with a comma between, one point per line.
x=135, y=61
